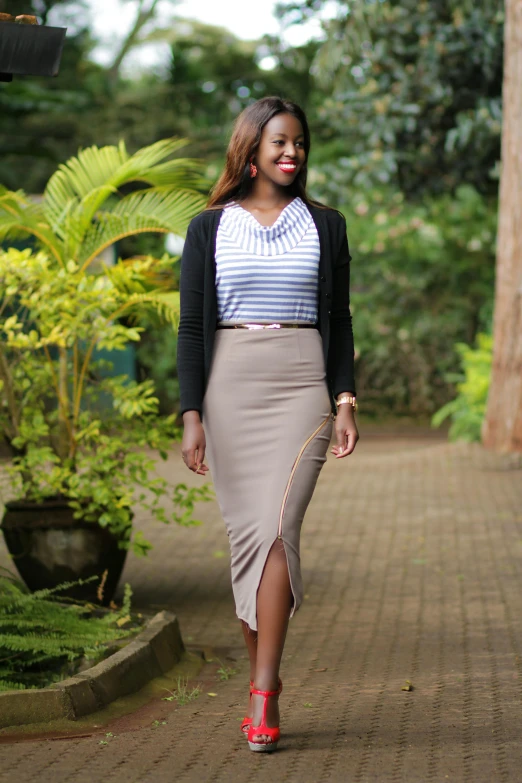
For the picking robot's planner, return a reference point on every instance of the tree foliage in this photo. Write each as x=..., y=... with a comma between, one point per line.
x=412, y=91
x=212, y=76
x=422, y=281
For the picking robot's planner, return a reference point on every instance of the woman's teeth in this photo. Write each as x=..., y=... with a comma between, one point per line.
x=289, y=167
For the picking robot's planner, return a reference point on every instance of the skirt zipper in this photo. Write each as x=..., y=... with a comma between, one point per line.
x=292, y=473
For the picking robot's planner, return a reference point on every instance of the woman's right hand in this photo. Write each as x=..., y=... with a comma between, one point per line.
x=193, y=444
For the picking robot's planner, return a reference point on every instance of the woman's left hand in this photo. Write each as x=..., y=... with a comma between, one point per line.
x=346, y=431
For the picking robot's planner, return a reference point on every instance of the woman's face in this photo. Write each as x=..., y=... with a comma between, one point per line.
x=281, y=153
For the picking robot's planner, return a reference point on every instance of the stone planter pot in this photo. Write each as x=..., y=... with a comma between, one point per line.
x=48, y=547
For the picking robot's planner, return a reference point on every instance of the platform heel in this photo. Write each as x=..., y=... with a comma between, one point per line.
x=247, y=720
x=273, y=733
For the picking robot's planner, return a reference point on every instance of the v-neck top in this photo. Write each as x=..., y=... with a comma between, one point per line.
x=267, y=273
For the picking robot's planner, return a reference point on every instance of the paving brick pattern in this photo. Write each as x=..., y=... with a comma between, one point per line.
x=412, y=561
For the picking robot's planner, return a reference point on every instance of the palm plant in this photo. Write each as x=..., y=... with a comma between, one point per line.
x=79, y=217
x=57, y=309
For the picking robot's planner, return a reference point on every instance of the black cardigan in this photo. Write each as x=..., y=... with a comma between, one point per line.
x=198, y=305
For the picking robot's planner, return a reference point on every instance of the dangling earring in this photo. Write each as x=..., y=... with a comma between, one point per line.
x=253, y=168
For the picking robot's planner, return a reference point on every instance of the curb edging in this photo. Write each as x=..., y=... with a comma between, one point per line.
x=152, y=653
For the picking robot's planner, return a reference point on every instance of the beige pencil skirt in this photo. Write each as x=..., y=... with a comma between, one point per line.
x=267, y=420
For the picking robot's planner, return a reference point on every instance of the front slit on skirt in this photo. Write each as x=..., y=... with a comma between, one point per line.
x=268, y=424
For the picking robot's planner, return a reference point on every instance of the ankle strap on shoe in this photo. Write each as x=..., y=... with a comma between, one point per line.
x=256, y=692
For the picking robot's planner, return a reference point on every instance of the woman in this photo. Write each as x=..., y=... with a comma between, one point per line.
x=265, y=361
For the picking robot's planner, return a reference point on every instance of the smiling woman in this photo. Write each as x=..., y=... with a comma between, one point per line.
x=265, y=344
x=282, y=145
x=277, y=143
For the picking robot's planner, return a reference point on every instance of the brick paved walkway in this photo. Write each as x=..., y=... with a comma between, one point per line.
x=412, y=560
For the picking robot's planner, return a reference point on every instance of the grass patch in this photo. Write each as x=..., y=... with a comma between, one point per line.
x=183, y=693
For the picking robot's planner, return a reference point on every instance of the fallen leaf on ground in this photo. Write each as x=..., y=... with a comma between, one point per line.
x=211, y=694
x=407, y=687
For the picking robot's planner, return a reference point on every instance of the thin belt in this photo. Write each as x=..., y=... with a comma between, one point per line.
x=267, y=326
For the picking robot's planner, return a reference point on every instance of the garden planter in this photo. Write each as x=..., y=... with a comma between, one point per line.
x=48, y=546
x=29, y=49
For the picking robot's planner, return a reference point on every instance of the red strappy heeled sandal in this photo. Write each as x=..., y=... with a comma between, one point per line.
x=273, y=733
x=247, y=720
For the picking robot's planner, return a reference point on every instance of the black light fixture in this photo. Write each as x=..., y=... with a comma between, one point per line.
x=26, y=48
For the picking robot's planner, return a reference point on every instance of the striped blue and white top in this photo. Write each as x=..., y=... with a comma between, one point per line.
x=266, y=274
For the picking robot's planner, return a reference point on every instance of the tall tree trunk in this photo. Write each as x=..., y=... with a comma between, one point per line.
x=502, y=430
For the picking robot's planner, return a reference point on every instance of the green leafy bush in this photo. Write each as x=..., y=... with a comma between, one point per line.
x=39, y=634
x=75, y=431
x=422, y=280
x=467, y=410
x=65, y=444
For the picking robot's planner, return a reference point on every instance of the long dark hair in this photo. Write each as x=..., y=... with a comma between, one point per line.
x=235, y=181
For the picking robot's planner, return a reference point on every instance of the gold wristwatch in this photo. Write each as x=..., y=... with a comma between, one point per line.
x=347, y=399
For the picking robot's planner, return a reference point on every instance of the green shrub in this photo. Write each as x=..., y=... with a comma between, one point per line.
x=467, y=410
x=39, y=635
x=422, y=281
x=64, y=442
x=74, y=429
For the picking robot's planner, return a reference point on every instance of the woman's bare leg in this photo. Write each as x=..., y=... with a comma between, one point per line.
x=251, y=643
x=274, y=601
